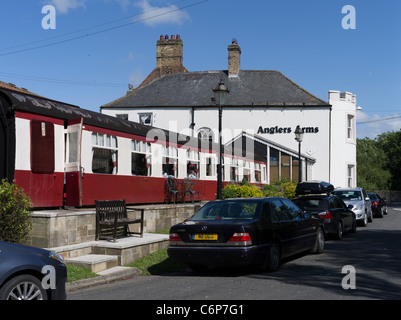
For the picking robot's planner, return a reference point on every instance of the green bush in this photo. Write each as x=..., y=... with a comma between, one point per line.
x=283, y=188
x=15, y=222
x=241, y=191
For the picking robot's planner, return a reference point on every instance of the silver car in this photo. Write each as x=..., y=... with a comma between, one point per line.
x=358, y=198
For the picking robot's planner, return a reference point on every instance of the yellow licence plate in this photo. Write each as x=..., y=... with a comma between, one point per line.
x=205, y=236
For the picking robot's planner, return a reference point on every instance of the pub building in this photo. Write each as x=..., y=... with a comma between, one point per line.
x=263, y=111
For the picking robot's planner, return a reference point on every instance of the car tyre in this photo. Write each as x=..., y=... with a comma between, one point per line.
x=319, y=244
x=339, y=234
x=272, y=262
x=353, y=229
x=23, y=287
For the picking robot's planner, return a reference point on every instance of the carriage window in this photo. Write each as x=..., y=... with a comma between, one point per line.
x=170, y=161
x=193, y=164
x=140, y=158
x=104, y=153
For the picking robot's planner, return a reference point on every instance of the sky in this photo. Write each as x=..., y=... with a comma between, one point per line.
x=86, y=52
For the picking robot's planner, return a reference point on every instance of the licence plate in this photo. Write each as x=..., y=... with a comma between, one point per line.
x=205, y=236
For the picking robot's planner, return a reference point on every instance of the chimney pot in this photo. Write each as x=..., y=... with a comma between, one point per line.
x=178, y=36
x=166, y=37
x=161, y=37
x=172, y=37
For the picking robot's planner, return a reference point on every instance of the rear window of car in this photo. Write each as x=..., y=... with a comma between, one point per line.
x=312, y=204
x=228, y=211
x=372, y=196
x=349, y=195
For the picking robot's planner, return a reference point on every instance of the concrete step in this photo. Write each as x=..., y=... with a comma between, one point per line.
x=94, y=262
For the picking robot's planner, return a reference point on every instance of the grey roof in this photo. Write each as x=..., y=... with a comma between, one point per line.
x=194, y=89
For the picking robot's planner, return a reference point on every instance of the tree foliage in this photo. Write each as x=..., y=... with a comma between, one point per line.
x=379, y=162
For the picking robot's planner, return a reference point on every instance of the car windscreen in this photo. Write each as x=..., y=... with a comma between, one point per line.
x=312, y=204
x=349, y=195
x=228, y=211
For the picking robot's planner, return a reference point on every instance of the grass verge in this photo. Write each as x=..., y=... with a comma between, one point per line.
x=157, y=263
x=78, y=273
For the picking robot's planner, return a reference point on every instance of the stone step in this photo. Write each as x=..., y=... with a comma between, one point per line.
x=94, y=262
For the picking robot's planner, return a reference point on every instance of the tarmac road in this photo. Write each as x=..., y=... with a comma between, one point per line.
x=374, y=252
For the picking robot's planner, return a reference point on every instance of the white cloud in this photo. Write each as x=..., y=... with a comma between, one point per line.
x=371, y=126
x=153, y=15
x=63, y=6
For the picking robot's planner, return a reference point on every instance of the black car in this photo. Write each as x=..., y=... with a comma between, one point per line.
x=257, y=231
x=379, y=205
x=28, y=273
x=336, y=216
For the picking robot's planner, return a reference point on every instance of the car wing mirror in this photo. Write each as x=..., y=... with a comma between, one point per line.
x=350, y=206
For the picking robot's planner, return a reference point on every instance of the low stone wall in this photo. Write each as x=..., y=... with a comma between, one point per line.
x=55, y=228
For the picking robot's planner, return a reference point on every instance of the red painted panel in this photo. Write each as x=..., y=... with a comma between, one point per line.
x=44, y=190
x=134, y=189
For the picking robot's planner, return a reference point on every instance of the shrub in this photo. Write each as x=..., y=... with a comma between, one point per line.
x=241, y=191
x=283, y=188
x=15, y=222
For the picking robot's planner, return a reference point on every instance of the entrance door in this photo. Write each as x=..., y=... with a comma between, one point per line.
x=72, y=167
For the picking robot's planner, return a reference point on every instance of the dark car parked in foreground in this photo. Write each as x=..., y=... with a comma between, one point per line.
x=379, y=205
x=336, y=216
x=28, y=273
x=257, y=231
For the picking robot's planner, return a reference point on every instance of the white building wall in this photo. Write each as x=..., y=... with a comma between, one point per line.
x=343, y=146
x=326, y=142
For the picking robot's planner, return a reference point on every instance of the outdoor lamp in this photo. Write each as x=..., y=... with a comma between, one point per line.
x=299, y=135
x=220, y=98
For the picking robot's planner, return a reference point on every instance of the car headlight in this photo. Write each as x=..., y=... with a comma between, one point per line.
x=56, y=256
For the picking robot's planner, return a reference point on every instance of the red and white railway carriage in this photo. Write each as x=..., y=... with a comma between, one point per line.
x=61, y=154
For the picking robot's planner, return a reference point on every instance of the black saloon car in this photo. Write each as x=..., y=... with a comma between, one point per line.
x=379, y=205
x=335, y=215
x=28, y=273
x=257, y=231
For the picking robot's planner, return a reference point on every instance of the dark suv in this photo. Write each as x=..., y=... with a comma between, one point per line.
x=335, y=215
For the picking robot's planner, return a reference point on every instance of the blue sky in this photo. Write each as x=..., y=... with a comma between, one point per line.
x=99, y=46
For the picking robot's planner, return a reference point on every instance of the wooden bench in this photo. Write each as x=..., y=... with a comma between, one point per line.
x=112, y=219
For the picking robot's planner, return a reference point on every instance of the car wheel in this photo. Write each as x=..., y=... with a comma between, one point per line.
x=365, y=220
x=381, y=214
x=319, y=244
x=370, y=218
x=23, y=287
x=339, y=234
x=353, y=229
x=273, y=257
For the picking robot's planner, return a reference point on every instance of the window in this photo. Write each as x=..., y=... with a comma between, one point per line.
x=234, y=170
x=258, y=172
x=104, y=153
x=193, y=164
x=279, y=211
x=141, y=158
x=146, y=118
x=350, y=127
x=246, y=170
x=210, y=166
x=350, y=174
x=205, y=134
x=274, y=164
x=170, y=161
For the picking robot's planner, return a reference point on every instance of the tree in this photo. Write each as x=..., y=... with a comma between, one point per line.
x=390, y=143
x=371, y=165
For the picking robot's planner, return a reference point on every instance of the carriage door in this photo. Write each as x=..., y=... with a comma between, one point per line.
x=73, y=169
